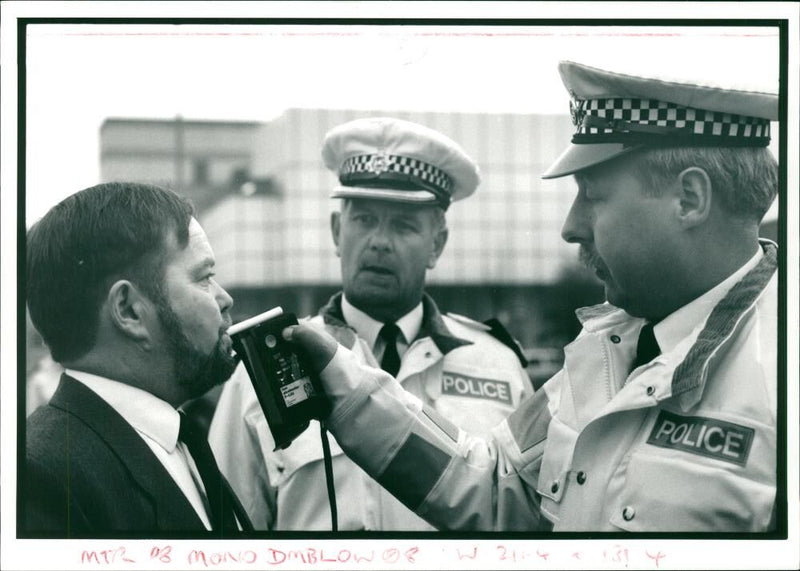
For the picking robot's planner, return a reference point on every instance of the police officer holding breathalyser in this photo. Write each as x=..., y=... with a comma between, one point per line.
x=664, y=415
x=397, y=179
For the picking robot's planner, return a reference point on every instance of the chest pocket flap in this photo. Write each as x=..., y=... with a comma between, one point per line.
x=555, y=465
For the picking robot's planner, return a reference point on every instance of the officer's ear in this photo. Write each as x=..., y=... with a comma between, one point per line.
x=439, y=241
x=335, y=228
x=696, y=194
x=129, y=311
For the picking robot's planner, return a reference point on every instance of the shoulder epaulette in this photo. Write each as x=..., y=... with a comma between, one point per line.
x=499, y=332
x=469, y=322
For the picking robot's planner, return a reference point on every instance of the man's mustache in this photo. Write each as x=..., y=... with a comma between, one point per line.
x=589, y=258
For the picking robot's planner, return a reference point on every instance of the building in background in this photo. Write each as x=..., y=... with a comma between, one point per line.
x=206, y=159
x=262, y=195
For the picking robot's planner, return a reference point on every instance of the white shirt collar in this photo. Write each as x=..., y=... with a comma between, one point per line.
x=369, y=328
x=145, y=412
x=679, y=324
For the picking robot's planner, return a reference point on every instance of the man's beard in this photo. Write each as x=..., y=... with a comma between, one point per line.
x=194, y=371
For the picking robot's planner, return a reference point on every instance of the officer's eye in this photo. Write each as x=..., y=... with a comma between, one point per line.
x=589, y=194
x=363, y=218
x=405, y=226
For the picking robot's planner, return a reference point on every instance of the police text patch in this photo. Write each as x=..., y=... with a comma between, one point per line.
x=705, y=436
x=461, y=385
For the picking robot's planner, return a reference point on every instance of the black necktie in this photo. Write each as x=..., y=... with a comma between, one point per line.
x=391, y=358
x=647, y=348
x=219, y=497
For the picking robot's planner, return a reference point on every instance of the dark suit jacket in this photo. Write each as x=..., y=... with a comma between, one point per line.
x=88, y=473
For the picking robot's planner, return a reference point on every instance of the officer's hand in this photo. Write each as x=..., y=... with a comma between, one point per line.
x=319, y=345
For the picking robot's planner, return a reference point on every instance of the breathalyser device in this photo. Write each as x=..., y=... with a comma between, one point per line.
x=289, y=392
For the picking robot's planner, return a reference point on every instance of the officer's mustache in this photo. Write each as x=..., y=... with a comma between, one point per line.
x=590, y=259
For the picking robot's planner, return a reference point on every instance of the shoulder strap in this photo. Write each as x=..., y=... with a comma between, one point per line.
x=499, y=332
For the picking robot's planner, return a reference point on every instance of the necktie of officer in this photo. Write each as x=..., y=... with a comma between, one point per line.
x=647, y=348
x=391, y=358
x=219, y=498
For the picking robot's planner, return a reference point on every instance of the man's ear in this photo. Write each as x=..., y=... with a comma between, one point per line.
x=439, y=241
x=128, y=309
x=335, y=227
x=696, y=196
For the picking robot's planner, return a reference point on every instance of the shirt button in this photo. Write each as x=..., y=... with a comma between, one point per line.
x=628, y=513
x=428, y=355
x=650, y=391
x=581, y=477
x=554, y=487
x=615, y=339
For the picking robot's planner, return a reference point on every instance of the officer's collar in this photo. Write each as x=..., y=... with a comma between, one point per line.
x=332, y=316
x=693, y=370
x=691, y=373
x=433, y=325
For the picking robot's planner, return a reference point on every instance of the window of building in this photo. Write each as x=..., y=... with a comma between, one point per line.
x=200, y=171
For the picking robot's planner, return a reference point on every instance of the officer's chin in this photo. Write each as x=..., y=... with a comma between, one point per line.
x=627, y=303
x=372, y=293
x=614, y=296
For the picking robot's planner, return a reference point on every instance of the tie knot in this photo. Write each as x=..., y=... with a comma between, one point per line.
x=390, y=332
x=647, y=348
x=188, y=431
x=193, y=436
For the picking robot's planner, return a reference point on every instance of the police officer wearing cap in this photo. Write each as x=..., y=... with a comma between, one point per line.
x=664, y=415
x=396, y=180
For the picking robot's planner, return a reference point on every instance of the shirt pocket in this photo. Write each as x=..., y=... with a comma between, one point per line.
x=667, y=492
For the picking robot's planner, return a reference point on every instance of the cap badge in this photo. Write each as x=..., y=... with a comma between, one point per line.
x=379, y=163
x=398, y=172
x=577, y=110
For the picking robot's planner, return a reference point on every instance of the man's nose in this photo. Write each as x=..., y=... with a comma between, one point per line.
x=381, y=237
x=224, y=299
x=577, y=227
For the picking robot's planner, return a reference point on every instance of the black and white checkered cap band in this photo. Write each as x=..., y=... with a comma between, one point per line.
x=406, y=170
x=649, y=120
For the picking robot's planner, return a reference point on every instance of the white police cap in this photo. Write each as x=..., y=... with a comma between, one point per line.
x=616, y=113
x=391, y=159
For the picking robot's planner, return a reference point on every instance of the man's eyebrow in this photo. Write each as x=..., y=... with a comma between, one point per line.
x=360, y=208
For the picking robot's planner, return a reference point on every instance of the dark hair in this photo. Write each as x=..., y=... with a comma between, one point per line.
x=745, y=180
x=85, y=243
